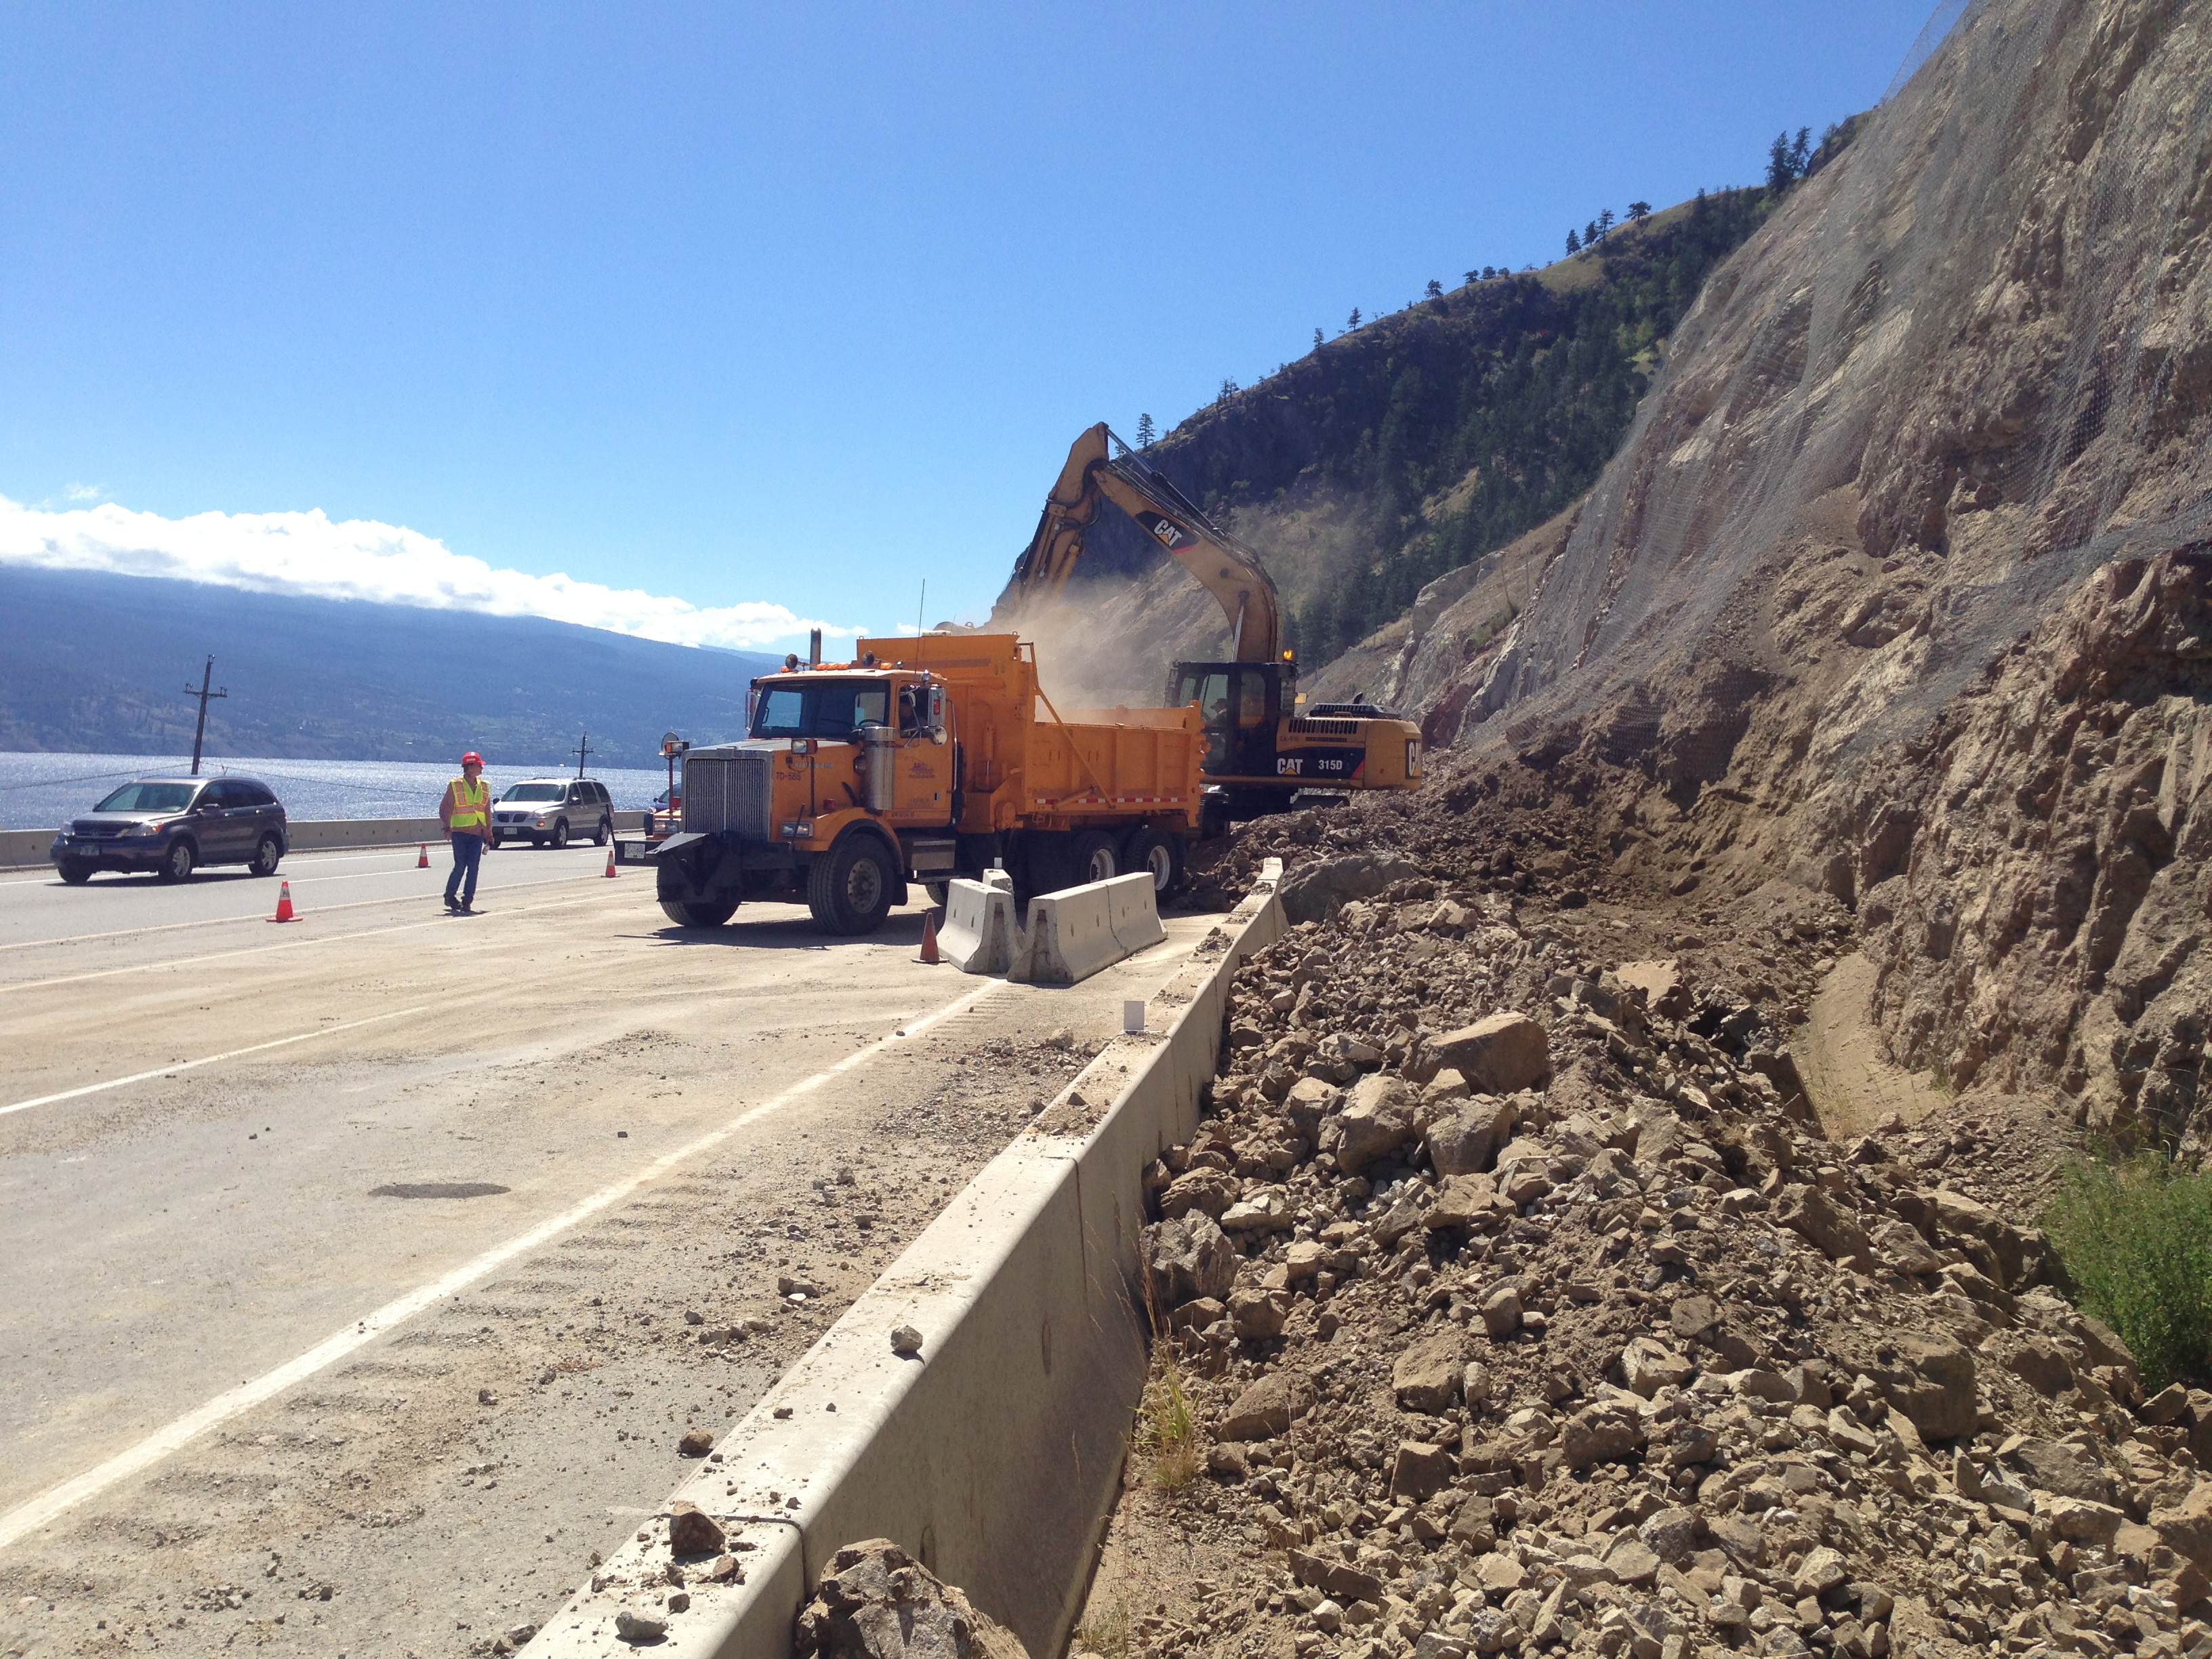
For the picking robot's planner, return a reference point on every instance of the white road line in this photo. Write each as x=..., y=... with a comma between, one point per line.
x=51, y=1504
x=205, y=1060
x=261, y=916
x=292, y=943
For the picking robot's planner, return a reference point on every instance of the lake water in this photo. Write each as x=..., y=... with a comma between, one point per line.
x=41, y=791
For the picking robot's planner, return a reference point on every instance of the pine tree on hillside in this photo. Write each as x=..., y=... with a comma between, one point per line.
x=1589, y=235
x=1604, y=221
x=1318, y=339
x=1354, y=323
x=1473, y=278
x=1229, y=388
x=1779, y=172
x=1574, y=242
x=1144, y=432
x=1434, y=290
x=1639, y=212
x=1800, y=152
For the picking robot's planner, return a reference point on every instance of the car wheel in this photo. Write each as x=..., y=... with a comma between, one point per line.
x=850, y=891
x=176, y=863
x=266, y=856
x=560, y=836
x=1095, y=858
x=686, y=913
x=1148, y=850
x=600, y=835
x=74, y=872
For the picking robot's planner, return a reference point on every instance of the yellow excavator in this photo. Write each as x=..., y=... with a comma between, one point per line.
x=1263, y=750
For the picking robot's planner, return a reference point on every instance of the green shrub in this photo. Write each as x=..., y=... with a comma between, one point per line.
x=2134, y=1239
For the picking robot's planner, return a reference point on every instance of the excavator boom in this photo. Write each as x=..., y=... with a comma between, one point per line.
x=1224, y=566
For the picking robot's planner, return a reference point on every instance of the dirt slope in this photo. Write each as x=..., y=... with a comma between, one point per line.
x=1894, y=590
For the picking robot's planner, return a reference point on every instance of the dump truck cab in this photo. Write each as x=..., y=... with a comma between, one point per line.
x=920, y=760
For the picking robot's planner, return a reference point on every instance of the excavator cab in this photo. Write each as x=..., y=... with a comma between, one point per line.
x=1241, y=702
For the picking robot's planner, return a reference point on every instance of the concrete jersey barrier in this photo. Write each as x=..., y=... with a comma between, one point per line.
x=24, y=849
x=994, y=1455
x=979, y=932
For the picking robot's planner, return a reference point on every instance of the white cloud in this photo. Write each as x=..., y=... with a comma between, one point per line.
x=306, y=554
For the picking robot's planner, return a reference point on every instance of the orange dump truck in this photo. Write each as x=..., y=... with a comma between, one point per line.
x=920, y=760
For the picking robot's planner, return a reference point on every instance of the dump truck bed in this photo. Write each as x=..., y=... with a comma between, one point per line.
x=1139, y=761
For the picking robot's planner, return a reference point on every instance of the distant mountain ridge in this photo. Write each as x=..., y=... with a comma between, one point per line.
x=95, y=662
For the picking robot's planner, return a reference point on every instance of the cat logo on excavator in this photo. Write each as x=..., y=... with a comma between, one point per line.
x=1165, y=530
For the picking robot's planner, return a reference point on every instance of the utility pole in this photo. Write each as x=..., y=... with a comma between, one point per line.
x=199, y=733
x=579, y=751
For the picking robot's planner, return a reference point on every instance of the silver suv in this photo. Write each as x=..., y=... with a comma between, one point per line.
x=549, y=811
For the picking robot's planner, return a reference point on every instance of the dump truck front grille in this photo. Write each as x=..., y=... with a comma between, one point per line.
x=728, y=791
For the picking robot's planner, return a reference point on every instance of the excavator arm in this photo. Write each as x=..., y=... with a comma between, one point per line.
x=1224, y=566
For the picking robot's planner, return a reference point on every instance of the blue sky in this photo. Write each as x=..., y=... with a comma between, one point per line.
x=769, y=307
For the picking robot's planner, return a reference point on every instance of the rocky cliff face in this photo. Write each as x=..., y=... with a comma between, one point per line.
x=1898, y=586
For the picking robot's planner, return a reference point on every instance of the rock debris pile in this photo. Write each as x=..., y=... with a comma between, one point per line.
x=876, y=1601
x=1521, y=1306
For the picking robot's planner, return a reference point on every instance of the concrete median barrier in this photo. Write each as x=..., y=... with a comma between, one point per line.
x=1133, y=911
x=24, y=849
x=992, y=1451
x=980, y=930
x=1075, y=932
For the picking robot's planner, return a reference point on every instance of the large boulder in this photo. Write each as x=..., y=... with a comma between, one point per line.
x=1427, y=1374
x=1209, y=1190
x=1811, y=1214
x=2186, y=1527
x=1268, y=1407
x=1498, y=1055
x=2063, y=1468
x=1930, y=1379
x=1377, y=1119
x=1316, y=891
x=1600, y=1434
x=1190, y=1257
x=1960, y=1218
x=876, y=1601
x=1464, y=1142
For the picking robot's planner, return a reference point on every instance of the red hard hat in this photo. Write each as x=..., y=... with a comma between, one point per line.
x=472, y=758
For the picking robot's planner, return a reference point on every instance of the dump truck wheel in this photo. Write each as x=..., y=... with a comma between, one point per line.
x=685, y=913
x=1096, y=858
x=1158, y=855
x=850, y=891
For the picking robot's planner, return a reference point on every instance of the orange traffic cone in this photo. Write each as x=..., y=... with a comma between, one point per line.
x=929, y=938
x=422, y=858
x=610, y=861
x=284, y=912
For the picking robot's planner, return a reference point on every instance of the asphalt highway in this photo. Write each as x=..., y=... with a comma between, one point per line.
x=252, y=1175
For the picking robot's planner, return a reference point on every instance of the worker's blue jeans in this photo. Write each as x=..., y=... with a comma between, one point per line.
x=468, y=852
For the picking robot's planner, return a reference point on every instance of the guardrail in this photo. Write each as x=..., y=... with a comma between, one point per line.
x=992, y=1452
x=23, y=848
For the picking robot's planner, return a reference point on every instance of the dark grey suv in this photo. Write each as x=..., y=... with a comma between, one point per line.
x=172, y=826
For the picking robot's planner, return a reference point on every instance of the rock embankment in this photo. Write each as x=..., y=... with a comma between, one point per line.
x=1523, y=1307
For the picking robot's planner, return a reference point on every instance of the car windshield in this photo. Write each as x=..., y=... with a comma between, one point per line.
x=824, y=708
x=148, y=798
x=536, y=792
